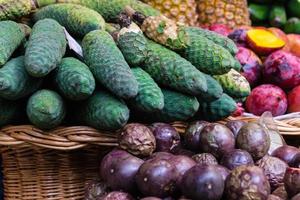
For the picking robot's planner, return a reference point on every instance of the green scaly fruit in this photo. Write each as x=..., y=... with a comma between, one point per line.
x=12, y=9
x=9, y=110
x=219, y=39
x=214, y=90
x=178, y=107
x=150, y=97
x=103, y=111
x=45, y=109
x=74, y=79
x=109, y=9
x=108, y=65
x=234, y=84
x=11, y=36
x=45, y=48
x=15, y=82
x=77, y=19
x=218, y=109
x=171, y=70
x=133, y=44
x=207, y=56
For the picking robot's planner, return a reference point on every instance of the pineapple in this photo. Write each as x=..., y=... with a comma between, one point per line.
x=233, y=13
x=183, y=11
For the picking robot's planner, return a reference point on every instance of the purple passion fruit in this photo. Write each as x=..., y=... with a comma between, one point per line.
x=137, y=139
x=274, y=169
x=192, y=135
x=203, y=182
x=118, y=169
x=235, y=126
x=157, y=177
x=216, y=139
x=205, y=158
x=247, y=182
x=167, y=138
x=292, y=181
x=235, y=158
x=286, y=153
x=253, y=138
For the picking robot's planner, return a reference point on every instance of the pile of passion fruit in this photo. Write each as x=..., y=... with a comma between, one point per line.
x=210, y=161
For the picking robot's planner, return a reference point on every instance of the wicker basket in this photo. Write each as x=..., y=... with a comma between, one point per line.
x=55, y=165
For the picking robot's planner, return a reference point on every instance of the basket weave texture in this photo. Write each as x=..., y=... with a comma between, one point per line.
x=55, y=165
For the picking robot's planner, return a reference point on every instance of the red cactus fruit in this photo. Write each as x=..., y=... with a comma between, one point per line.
x=283, y=69
x=267, y=97
x=294, y=100
x=251, y=65
x=221, y=29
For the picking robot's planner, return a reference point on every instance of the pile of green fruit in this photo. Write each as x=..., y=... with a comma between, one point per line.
x=209, y=161
x=283, y=14
x=120, y=75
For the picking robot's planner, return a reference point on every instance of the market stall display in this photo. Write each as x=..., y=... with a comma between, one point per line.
x=118, y=99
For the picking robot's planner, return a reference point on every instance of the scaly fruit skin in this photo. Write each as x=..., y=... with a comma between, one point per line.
x=45, y=109
x=15, y=82
x=74, y=79
x=150, y=97
x=218, y=109
x=181, y=11
x=165, y=31
x=214, y=90
x=108, y=65
x=103, y=111
x=9, y=110
x=233, y=13
x=109, y=9
x=207, y=56
x=216, y=38
x=77, y=19
x=11, y=37
x=234, y=84
x=133, y=44
x=12, y=9
x=169, y=69
x=45, y=48
x=178, y=107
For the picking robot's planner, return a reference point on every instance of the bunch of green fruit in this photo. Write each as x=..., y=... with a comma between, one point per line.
x=124, y=70
x=283, y=14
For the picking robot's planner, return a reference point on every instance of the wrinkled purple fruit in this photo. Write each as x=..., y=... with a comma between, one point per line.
x=274, y=169
x=245, y=182
x=205, y=158
x=117, y=196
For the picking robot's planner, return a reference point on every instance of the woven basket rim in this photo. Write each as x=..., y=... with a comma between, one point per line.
x=77, y=137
